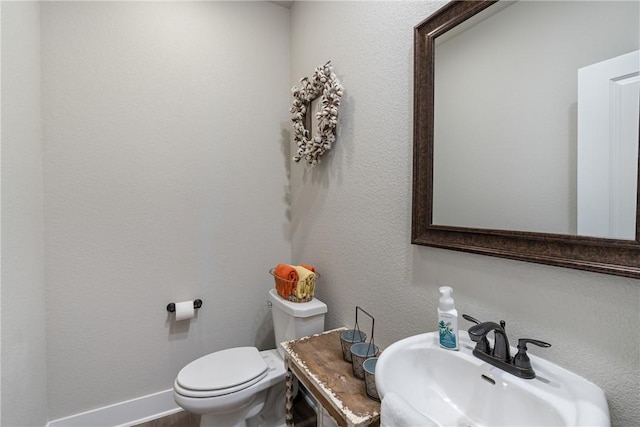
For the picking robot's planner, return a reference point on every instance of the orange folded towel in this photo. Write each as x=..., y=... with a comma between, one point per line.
x=286, y=272
x=289, y=276
x=308, y=267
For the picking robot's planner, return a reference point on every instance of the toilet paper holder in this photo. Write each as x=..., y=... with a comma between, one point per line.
x=171, y=307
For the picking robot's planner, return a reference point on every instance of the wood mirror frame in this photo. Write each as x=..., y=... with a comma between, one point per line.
x=610, y=256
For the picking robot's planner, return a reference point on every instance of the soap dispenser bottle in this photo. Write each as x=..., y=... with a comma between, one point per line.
x=447, y=320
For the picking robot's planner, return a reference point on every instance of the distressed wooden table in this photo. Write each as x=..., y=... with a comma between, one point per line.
x=317, y=363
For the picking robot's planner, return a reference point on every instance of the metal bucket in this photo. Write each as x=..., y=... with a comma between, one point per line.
x=359, y=353
x=347, y=339
x=369, y=367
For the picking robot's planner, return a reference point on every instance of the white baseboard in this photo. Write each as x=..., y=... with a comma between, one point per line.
x=124, y=414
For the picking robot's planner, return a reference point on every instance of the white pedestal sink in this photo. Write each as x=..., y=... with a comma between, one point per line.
x=455, y=388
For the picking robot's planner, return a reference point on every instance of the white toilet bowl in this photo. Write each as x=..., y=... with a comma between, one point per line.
x=230, y=387
x=242, y=386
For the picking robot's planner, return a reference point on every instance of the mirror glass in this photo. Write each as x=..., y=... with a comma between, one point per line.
x=536, y=118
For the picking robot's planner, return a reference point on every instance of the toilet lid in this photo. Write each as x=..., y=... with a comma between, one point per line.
x=233, y=368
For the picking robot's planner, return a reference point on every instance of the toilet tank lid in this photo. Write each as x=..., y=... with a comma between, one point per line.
x=297, y=309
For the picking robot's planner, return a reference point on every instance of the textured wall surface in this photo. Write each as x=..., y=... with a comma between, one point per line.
x=351, y=218
x=24, y=386
x=165, y=180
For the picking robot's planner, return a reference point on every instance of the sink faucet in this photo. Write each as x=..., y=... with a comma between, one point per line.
x=500, y=355
x=501, y=350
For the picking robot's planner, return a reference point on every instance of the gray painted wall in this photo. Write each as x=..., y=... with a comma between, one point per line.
x=352, y=219
x=24, y=375
x=164, y=177
x=165, y=170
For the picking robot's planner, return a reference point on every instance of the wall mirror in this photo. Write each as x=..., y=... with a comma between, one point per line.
x=526, y=122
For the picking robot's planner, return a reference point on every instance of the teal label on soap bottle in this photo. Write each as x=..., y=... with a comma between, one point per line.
x=447, y=336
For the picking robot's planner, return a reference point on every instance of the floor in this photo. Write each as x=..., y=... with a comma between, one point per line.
x=181, y=419
x=303, y=416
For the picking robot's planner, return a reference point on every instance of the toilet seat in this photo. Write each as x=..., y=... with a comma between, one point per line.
x=222, y=372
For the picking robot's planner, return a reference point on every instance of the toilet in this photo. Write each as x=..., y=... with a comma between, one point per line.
x=242, y=386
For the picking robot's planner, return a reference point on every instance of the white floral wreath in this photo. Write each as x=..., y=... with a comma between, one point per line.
x=323, y=82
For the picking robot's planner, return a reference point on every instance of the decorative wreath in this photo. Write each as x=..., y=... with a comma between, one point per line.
x=323, y=83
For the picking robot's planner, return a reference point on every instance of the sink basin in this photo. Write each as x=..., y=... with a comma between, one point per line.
x=455, y=388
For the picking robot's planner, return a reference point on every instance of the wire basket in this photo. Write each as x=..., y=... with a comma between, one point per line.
x=295, y=290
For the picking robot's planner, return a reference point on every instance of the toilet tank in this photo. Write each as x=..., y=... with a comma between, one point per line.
x=293, y=320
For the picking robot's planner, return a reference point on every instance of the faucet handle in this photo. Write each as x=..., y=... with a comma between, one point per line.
x=522, y=342
x=521, y=359
x=471, y=319
x=482, y=344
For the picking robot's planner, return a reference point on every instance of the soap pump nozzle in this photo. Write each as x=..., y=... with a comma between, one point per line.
x=446, y=301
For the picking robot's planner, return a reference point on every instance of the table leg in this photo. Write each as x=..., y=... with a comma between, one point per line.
x=288, y=394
